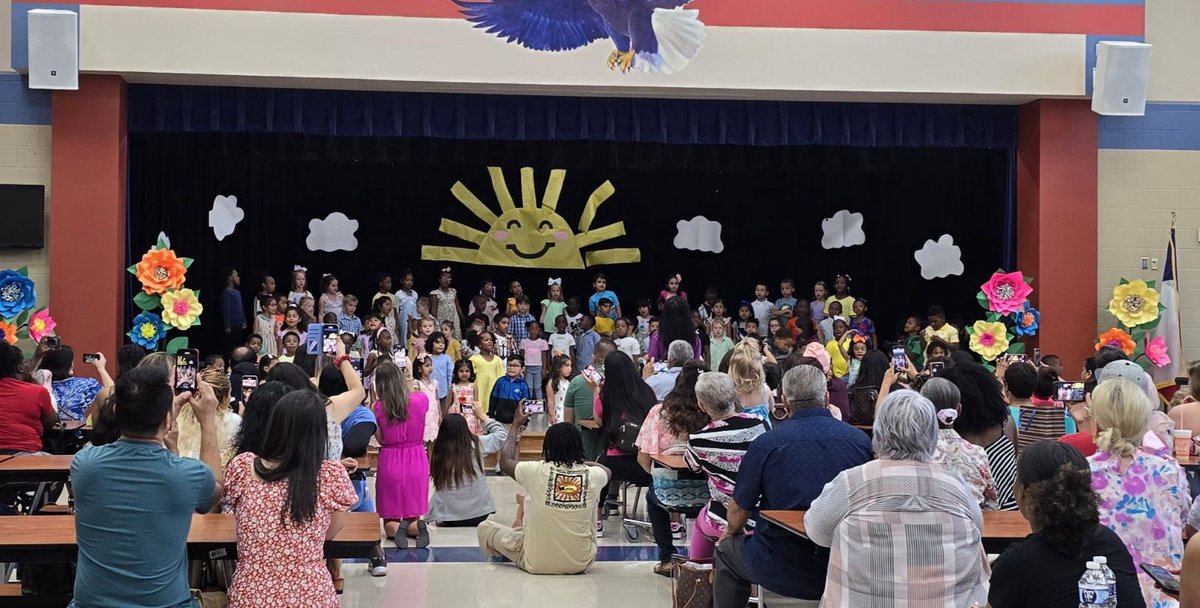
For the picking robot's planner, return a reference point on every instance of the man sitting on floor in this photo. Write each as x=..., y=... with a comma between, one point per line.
x=785, y=469
x=563, y=491
x=134, y=499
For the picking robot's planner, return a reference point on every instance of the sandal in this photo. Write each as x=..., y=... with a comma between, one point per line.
x=338, y=583
x=663, y=569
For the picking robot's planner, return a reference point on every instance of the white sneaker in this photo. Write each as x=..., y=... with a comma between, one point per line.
x=600, y=528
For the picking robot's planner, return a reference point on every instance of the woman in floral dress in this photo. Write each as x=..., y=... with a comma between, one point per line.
x=286, y=500
x=1143, y=497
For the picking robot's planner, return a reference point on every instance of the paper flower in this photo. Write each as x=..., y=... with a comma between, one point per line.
x=989, y=339
x=1116, y=338
x=181, y=308
x=1134, y=303
x=1006, y=292
x=16, y=293
x=41, y=324
x=1026, y=322
x=159, y=271
x=1156, y=352
x=147, y=330
x=9, y=332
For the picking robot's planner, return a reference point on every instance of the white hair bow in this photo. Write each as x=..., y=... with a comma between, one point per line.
x=554, y=281
x=299, y=268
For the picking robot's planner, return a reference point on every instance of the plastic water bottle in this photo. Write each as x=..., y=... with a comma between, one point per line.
x=1109, y=577
x=1093, y=589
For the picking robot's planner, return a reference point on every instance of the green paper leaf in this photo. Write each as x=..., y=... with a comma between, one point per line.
x=989, y=366
x=993, y=316
x=23, y=271
x=146, y=301
x=1147, y=327
x=1124, y=281
x=1150, y=284
x=187, y=262
x=163, y=241
x=23, y=333
x=1016, y=348
x=1161, y=307
x=132, y=270
x=1028, y=279
x=177, y=344
x=23, y=318
x=196, y=323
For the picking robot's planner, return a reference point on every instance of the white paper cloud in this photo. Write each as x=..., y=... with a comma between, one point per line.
x=844, y=229
x=334, y=232
x=699, y=234
x=224, y=216
x=940, y=258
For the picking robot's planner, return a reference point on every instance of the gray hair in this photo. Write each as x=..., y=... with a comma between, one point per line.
x=680, y=352
x=804, y=386
x=906, y=427
x=716, y=393
x=943, y=393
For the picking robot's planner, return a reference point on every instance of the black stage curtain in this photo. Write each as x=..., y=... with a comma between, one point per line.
x=770, y=201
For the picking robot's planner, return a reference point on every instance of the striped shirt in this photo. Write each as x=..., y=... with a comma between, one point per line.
x=1002, y=459
x=1037, y=422
x=717, y=450
x=900, y=533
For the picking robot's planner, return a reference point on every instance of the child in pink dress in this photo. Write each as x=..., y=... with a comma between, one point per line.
x=462, y=396
x=423, y=381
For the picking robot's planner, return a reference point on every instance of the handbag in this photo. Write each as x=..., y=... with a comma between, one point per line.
x=692, y=585
x=677, y=489
x=627, y=434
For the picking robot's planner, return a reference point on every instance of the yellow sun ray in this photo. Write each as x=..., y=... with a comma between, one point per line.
x=501, y=188
x=472, y=203
x=528, y=189
x=461, y=231
x=629, y=255
x=591, y=237
x=460, y=255
x=554, y=189
x=599, y=195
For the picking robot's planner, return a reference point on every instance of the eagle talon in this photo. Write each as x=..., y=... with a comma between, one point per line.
x=624, y=61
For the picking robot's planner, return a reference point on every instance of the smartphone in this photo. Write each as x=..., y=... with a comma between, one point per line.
x=534, y=406
x=249, y=383
x=1069, y=392
x=329, y=338
x=53, y=342
x=1016, y=359
x=1037, y=357
x=590, y=373
x=660, y=367
x=1164, y=579
x=91, y=358
x=400, y=358
x=936, y=367
x=899, y=360
x=187, y=365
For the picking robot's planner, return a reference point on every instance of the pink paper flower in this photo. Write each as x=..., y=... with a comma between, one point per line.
x=1006, y=293
x=41, y=324
x=1156, y=352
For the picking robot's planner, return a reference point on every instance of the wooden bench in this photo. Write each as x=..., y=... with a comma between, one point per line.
x=1000, y=528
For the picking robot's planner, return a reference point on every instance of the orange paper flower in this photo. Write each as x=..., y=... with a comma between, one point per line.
x=160, y=270
x=9, y=331
x=1116, y=338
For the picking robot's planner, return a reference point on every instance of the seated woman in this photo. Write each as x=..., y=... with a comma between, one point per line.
x=984, y=421
x=717, y=450
x=72, y=395
x=461, y=497
x=1143, y=498
x=26, y=413
x=1054, y=491
x=1036, y=418
x=746, y=369
x=967, y=461
x=624, y=401
x=228, y=422
x=665, y=432
x=901, y=530
x=288, y=499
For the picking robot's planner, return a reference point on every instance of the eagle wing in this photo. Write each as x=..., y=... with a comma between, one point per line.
x=541, y=25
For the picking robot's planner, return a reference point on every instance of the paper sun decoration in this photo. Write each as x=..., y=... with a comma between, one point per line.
x=1005, y=297
x=162, y=275
x=1135, y=305
x=18, y=319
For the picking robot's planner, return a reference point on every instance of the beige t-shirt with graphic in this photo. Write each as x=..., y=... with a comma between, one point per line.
x=560, y=533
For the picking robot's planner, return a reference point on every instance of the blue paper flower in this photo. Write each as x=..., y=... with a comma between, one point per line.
x=16, y=293
x=1026, y=322
x=147, y=330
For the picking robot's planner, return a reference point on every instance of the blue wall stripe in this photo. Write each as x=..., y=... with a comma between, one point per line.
x=1166, y=126
x=1090, y=51
x=20, y=30
x=19, y=105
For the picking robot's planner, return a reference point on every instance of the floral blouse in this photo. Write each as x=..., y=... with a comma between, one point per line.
x=1146, y=506
x=73, y=396
x=970, y=463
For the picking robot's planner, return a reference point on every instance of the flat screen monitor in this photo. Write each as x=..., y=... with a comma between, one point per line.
x=24, y=212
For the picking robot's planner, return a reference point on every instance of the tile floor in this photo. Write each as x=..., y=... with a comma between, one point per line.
x=453, y=573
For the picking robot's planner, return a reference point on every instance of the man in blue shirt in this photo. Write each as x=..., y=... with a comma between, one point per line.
x=134, y=498
x=785, y=469
x=233, y=311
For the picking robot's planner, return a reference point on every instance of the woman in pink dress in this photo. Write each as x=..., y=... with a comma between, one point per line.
x=287, y=500
x=402, y=479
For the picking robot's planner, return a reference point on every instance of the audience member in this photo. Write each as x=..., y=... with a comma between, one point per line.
x=718, y=450
x=72, y=394
x=924, y=526
x=461, y=497
x=746, y=370
x=1054, y=491
x=255, y=415
x=27, y=412
x=242, y=362
x=785, y=469
x=961, y=457
x=865, y=389
x=662, y=381
x=1143, y=497
x=674, y=324
x=582, y=395
x=228, y=422
x=624, y=402
x=134, y=499
x=287, y=499
x=1034, y=421
x=128, y=357
x=984, y=421
x=402, y=481
x=558, y=537
x=1186, y=415
x=357, y=431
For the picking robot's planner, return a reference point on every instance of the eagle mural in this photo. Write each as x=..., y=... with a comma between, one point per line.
x=653, y=36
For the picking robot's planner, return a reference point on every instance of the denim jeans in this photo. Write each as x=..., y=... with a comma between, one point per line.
x=533, y=377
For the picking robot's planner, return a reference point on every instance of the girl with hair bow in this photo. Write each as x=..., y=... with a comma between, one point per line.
x=554, y=304
x=299, y=285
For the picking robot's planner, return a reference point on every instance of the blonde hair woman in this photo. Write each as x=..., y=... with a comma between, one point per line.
x=228, y=422
x=1143, y=497
x=746, y=370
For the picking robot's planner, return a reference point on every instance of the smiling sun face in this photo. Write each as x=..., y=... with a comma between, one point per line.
x=533, y=235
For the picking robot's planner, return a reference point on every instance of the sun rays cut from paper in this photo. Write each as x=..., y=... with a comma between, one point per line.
x=533, y=234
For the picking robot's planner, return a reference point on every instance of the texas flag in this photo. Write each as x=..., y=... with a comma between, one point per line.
x=1169, y=327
